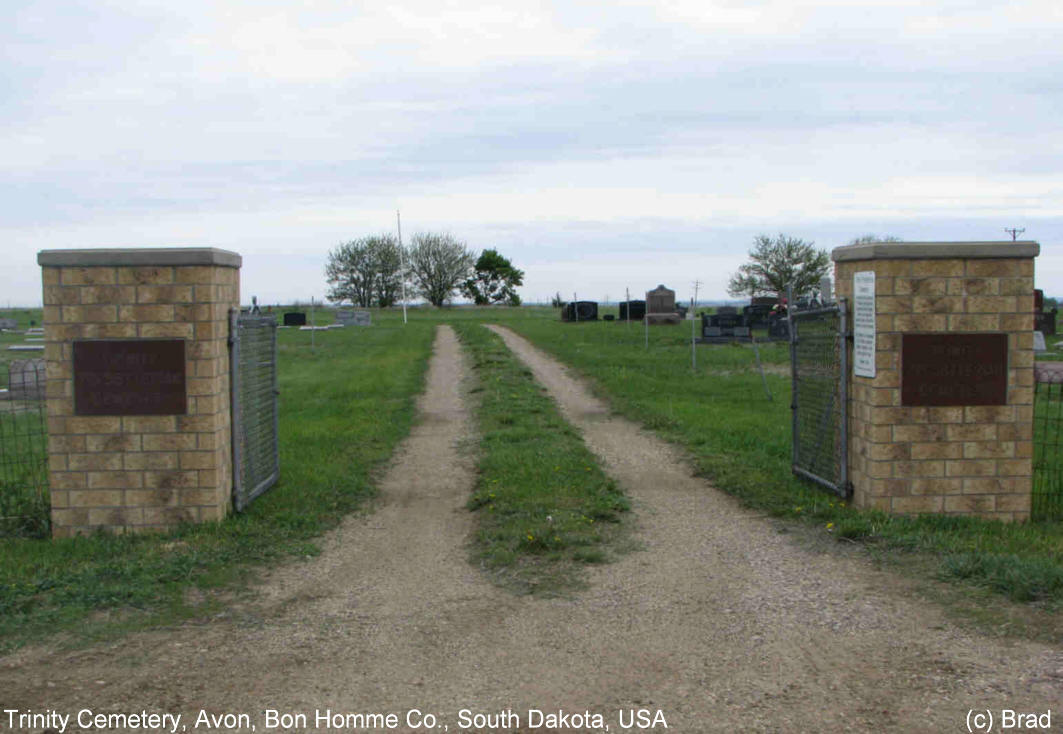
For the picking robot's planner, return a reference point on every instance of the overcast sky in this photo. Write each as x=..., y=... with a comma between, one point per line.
x=600, y=146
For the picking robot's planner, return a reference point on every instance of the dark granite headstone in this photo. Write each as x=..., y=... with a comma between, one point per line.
x=580, y=311
x=637, y=309
x=295, y=318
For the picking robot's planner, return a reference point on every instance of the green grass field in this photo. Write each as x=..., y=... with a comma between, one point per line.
x=542, y=502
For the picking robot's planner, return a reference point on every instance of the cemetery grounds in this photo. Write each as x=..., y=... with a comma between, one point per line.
x=542, y=519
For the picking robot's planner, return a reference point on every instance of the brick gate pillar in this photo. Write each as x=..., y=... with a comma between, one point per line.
x=138, y=386
x=942, y=383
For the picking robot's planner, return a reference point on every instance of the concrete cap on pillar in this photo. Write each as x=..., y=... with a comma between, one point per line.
x=935, y=250
x=142, y=256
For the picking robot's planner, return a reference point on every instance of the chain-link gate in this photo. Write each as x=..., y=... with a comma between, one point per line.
x=253, y=374
x=24, y=500
x=819, y=364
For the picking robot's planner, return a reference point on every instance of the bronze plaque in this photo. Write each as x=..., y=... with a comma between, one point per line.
x=954, y=369
x=129, y=377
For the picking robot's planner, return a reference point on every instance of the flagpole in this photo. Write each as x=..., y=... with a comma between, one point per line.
x=402, y=265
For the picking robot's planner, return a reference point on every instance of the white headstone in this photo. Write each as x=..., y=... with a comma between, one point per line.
x=26, y=377
x=864, y=324
x=1039, y=342
x=354, y=318
x=824, y=289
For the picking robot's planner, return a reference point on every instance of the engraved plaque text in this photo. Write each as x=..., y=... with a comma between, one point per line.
x=129, y=377
x=954, y=369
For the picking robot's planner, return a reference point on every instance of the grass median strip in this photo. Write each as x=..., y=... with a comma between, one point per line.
x=741, y=441
x=344, y=405
x=544, y=506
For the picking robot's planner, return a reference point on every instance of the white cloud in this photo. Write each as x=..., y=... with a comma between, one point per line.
x=330, y=42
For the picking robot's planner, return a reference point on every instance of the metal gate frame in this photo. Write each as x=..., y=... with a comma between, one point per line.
x=840, y=483
x=256, y=468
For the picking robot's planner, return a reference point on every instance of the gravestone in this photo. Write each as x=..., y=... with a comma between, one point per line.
x=778, y=326
x=8, y=324
x=26, y=378
x=724, y=325
x=825, y=290
x=1039, y=342
x=660, y=300
x=295, y=318
x=580, y=311
x=635, y=310
x=1044, y=321
x=354, y=318
x=660, y=306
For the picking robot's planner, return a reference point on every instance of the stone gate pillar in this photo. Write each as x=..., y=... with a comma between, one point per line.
x=942, y=383
x=138, y=386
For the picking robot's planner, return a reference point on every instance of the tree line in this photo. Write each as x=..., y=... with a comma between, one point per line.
x=371, y=271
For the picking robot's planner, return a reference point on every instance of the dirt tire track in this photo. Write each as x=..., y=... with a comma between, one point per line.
x=796, y=639
x=719, y=621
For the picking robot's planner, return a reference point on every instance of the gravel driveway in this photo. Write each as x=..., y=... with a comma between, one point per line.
x=719, y=622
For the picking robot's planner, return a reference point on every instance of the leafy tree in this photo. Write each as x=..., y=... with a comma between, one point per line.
x=494, y=281
x=438, y=264
x=867, y=239
x=777, y=262
x=387, y=256
x=365, y=272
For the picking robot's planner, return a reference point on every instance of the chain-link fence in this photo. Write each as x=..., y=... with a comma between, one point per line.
x=24, y=503
x=820, y=421
x=256, y=464
x=1047, y=499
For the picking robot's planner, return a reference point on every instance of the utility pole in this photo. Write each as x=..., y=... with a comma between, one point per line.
x=1014, y=232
